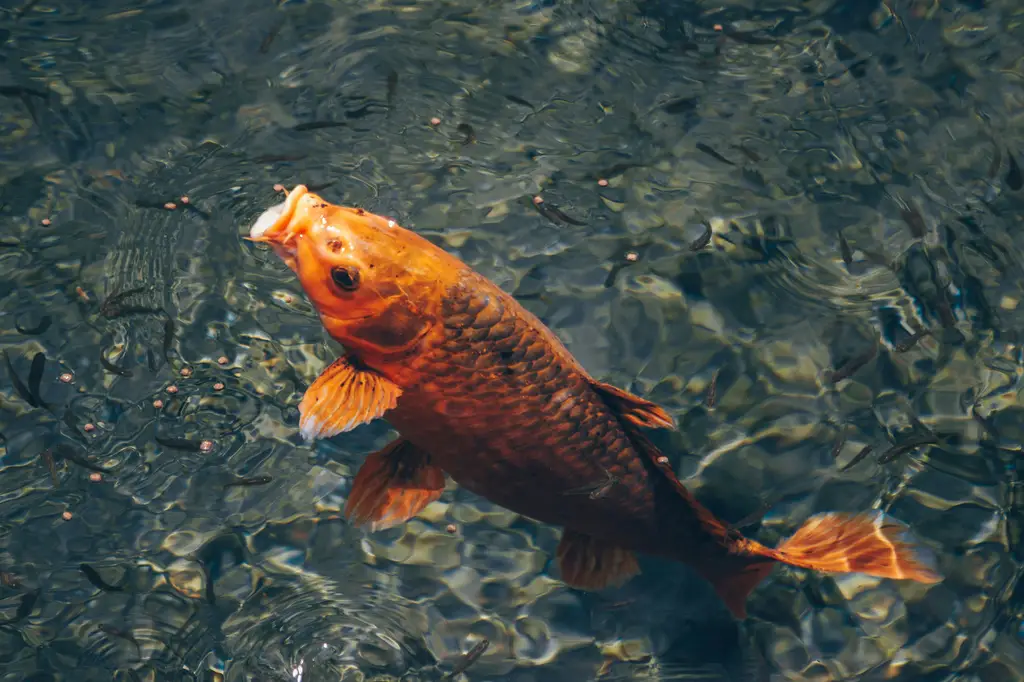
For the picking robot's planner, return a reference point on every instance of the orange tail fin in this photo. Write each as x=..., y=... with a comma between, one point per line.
x=870, y=543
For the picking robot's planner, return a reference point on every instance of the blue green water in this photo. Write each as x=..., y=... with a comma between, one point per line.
x=796, y=225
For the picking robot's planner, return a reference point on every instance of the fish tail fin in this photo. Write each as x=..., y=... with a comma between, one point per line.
x=872, y=543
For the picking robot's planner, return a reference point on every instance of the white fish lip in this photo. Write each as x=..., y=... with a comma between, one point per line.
x=267, y=220
x=272, y=224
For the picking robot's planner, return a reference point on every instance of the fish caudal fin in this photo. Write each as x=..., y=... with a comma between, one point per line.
x=393, y=485
x=872, y=543
x=591, y=564
x=343, y=397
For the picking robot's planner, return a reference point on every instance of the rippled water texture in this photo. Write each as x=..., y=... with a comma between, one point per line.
x=798, y=227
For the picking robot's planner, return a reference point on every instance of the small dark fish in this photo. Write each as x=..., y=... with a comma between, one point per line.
x=466, y=130
x=192, y=208
x=93, y=576
x=997, y=161
x=705, y=238
x=316, y=187
x=120, y=634
x=249, y=481
x=751, y=518
x=19, y=385
x=65, y=452
x=25, y=606
x=278, y=158
x=169, y=327
x=914, y=220
x=555, y=215
x=271, y=35
x=51, y=465
x=595, y=490
x=864, y=452
x=851, y=367
x=840, y=442
x=152, y=203
x=911, y=341
x=112, y=306
x=519, y=100
x=747, y=152
x=748, y=38
x=713, y=154
x=111, y=367
x=711, y=397
x=72, y=424
x=44, y=324
x=625, y=259
x=35, y=377
x=392, y=88
x=9, y=579
x=136, y=310
x=844, y=249
x=897, y=450
x=20, y=91
x=612, y=171
x=609, y=281
x=469, y=659
x=946, y=315
x=680, y=106
x=187, y=444
x=318, y=125
x=1013, y=176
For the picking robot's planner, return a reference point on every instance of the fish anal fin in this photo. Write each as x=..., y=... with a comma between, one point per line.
x=392, y=486
x=871, y=543
x=587, y=563
x=734, y=585
x=632, y=408
x=343, y=397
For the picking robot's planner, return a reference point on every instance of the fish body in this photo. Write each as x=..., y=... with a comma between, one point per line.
x=481, y=390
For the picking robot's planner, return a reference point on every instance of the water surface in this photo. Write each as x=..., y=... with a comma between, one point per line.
x=798, y=228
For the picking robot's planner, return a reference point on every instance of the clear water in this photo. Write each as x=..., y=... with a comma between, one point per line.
x=854, y=161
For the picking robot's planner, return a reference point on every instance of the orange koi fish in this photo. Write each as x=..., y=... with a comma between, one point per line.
x=482, y=391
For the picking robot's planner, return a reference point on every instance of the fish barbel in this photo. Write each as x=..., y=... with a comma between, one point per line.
x=481, y=390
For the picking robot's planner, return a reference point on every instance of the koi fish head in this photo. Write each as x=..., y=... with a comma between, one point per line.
x=377, y=286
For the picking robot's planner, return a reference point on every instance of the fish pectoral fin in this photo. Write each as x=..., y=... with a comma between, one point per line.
x=393, y=485
x=591, y=564
x=343, y=397
x=633, y=409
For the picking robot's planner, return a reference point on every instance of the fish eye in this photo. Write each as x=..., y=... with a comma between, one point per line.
x=346, y=277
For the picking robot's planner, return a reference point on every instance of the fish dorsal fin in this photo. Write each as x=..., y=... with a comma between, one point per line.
x=633, y=409
x=344, y=396
x=650, y=451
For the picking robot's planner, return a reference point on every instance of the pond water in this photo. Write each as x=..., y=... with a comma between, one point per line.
x=796, y=225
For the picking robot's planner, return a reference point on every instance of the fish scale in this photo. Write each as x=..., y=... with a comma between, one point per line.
x=516, y=432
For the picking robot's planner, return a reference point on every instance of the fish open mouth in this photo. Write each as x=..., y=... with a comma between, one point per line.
x=272, y=225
